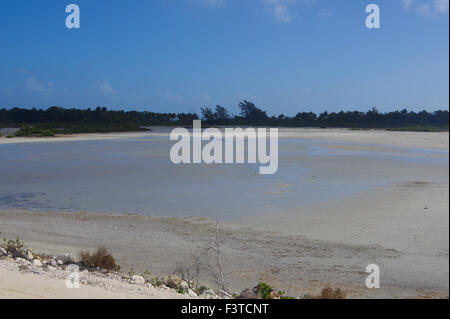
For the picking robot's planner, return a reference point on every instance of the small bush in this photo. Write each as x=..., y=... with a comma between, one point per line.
x=329, y=293
x=264, y=290
x=25, y=131
x=100, y=258
x=131, y=272
x=14, y=246
x=180, y=291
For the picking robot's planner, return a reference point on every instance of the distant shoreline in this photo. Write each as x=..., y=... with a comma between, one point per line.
x=440, y=140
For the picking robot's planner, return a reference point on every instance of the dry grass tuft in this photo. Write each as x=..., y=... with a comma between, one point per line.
x=100, y=258
x=330, y=293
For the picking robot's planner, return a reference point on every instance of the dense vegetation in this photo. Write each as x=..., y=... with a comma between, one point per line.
x=57, y=120
x=399, y=120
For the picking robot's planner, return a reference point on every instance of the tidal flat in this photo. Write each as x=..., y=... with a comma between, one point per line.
x=341, y=200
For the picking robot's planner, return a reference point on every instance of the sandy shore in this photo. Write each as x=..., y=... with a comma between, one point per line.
x=436, y=140
x=403, y=227
x=15, y=284
x=36, y=282
x=389, y=227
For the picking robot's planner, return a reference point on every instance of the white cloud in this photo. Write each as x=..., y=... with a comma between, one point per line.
x=34, y=85
x=426, y=8
x=441, y=6
x=407, y=3
x=280, y=9
x=105, y=87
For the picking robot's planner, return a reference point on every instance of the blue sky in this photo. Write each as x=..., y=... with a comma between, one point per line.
x=286, y=56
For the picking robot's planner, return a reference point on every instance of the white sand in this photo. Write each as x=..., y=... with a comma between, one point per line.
x=15, y=285
x=437, y=140
x=40, y=283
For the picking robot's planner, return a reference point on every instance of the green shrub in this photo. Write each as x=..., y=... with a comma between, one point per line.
x=264, y=290
x=180, y=291
x=26, y=131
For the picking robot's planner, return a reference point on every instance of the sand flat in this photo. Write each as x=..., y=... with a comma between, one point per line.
x=437, y=140
x=401, y=224
x=388, y=226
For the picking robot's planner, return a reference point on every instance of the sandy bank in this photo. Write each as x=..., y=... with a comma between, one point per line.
x=428, y=140
x=40, y=283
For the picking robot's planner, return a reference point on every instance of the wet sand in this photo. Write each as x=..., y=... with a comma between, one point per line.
x=402, y=226
x=389, y=227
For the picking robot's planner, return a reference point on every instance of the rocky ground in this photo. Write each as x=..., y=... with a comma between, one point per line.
x=22, y=272
x=127, y=285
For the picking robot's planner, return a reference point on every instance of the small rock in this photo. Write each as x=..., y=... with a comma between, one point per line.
x=50, y=268
x=3, y=252
x=223, y=294
x=274, y=295
x=173, y=281
x=162, y=281
x=191, y=293
x=209, y=294
x=37, y=263
x=138, y=280
x=22, y=261
x=53, y=263
x=60, y=262
x=66, y=259
x=249, y=294
x=29, y=255
x=184, y=286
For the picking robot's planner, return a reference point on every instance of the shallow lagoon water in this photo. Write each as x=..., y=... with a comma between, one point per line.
x=135, y=175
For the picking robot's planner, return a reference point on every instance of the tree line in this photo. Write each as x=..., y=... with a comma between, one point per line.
x=249, y=114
